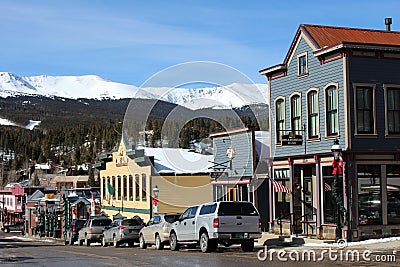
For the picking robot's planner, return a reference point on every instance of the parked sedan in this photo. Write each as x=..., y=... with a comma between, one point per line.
x=16, y=226
x=123, y=231
x=157, y=230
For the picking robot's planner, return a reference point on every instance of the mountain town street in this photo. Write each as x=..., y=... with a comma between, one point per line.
x=21, y=251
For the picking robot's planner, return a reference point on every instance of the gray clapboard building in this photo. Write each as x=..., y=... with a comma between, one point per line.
x=342, y=84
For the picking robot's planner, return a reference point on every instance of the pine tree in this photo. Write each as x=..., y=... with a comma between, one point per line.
x=91, y=180
x=35, y=181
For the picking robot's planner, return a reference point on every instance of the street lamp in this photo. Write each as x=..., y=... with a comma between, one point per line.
x=336, y=150
x=155, y=199
x=337, y=193
x=156, y=191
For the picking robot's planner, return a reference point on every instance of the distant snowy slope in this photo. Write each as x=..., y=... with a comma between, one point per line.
x=7, y=122
x=234, y=95
x=95, y=87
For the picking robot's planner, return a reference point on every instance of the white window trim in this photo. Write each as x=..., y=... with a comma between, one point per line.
x=385, y=88
x=319, y=115
x=291, y=111
x=284, y=116
x=298, y=65
x=355, y=85
x=338, y=111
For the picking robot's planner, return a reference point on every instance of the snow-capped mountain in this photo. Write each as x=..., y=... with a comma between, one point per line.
x=95, y=87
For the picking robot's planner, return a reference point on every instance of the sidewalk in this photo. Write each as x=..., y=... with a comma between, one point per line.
x=272, y=240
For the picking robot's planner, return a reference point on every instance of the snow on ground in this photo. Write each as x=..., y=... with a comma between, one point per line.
x=32, y=124
x=376, y=242
x=7, y=122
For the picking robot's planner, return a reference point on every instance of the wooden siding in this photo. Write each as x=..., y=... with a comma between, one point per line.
x=318, y=77
x=242, y=144
x=377, y=72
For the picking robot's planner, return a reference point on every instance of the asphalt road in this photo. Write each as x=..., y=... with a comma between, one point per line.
x=16, y=251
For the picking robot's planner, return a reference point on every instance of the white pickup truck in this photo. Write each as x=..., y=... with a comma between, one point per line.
x=216, y=223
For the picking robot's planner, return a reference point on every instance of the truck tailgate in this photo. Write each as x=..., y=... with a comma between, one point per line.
x=238, y=224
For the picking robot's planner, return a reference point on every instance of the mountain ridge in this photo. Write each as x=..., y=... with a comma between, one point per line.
x=96, y=87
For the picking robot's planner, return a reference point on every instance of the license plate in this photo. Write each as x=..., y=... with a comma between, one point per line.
x=238, y=235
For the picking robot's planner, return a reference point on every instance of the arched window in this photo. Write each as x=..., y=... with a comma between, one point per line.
x=124, y=187
x=137, y=191
x=120, y=186
x=130, y=187
x=313, y=114
x=332, y=124
x=295, y=111
x=104, y=189
x=113, y=186
x=279, y=119
x=144, y=189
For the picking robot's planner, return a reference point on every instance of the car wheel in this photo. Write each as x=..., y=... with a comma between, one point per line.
x=66, y=242
x=80, y=242
x=247, y=246
x=103, y=242
x=115, y=243
x=87, y=242
x=142, y=243
x=173, y=242
x=158, y=243
x=207, y=245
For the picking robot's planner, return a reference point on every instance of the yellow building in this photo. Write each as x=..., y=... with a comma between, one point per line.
x=145, y=181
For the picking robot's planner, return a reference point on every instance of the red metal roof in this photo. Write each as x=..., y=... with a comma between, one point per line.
x=329, y=36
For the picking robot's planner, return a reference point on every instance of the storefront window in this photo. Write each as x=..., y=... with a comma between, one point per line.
x=282, y=199
x=393, y=194
x=369, y=194
x=330, y=214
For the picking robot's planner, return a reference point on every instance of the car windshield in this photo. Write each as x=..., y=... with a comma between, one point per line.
x=171, y=217
x=101, y=222
x=237, y=209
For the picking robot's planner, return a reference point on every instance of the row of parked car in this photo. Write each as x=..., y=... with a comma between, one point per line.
x=205, y=225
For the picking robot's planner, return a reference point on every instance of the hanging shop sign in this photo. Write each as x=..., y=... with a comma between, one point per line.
x=292, y=140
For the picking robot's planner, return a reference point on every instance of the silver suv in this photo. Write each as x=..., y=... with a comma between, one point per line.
x=216, y=223
x=123, y=231
x=93, y=229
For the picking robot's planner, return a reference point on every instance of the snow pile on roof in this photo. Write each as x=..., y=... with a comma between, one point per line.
x=179, y=161
x=32, y=124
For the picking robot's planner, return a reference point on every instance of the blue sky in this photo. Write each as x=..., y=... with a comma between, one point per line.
x=129, y=41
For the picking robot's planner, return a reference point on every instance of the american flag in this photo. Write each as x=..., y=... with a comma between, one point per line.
x=278, y=187
x=327, y=187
